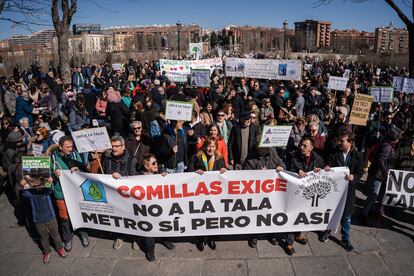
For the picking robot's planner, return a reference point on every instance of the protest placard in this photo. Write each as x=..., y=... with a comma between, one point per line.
x=196, y=50
x=275, y=136
x=176, y=110
x=37, y=149
x=378, y=71
x=397, y=83
x=270, y=69
x=116, y=66
x=91, y=139
x=346, y=73
x=408, y=86
x=399, y=190
x=307, y=67
x=337, y=83
x=360, y=109
x=36, y=170
x=382, y=94
x=189, y=204
x=200, y=77
x=179, y=70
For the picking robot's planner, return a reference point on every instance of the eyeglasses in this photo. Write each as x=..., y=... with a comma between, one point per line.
x=38, y=134
x=154, y=163
x=253, y=117
x=220, y=115
x=136, y=128
x=116, y=146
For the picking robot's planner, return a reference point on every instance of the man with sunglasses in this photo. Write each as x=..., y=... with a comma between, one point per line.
x=138, y=142
x=119, y=163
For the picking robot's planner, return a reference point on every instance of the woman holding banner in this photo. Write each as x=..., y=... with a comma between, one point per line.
x=206, y=160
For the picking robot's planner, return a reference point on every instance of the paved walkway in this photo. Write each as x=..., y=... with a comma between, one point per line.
x=387, y=250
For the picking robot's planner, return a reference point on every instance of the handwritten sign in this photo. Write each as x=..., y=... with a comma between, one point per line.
x=175, y=110
x=91, y=139
x=360, y=110
x=382, y=94
x=337, y=83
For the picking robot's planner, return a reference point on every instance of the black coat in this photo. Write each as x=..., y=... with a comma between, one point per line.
x=124, y=165
x=235, y=142
x=138, y=149
x=356, y=168
x=119, y=114
x=299, y=162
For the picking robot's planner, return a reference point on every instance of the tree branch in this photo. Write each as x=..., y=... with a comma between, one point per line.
x=399, y=12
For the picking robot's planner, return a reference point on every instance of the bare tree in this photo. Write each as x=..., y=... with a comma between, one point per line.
x=30, y=13
x=62, y=25
x=404, y=18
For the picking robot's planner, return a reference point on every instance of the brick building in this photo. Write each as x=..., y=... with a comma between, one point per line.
x=389, y=39
x=313, y=35
x=352, y=41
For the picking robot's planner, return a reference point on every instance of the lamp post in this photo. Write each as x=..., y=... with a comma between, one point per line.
x=285, y=24
x=178, y=37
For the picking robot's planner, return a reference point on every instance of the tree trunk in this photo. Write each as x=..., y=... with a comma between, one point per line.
x=63, y=50
x=411, y=50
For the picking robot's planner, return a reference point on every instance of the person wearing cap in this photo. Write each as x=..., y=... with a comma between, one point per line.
x=266, y=112
x=242, y=140
x=383, y=161
x=14, y=148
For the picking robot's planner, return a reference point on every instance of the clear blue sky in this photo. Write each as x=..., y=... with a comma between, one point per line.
x=344, y=14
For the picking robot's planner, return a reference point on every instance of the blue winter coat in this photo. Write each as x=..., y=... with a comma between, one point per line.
x=23, y=109
x=41, y=203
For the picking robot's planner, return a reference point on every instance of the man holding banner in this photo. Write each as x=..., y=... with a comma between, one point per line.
x=64, y=157
x=119, y=163
x=303, y=161
x=346, y=156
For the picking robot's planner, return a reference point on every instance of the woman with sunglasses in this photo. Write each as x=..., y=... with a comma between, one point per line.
x=206, y=160
x=42, y=142
x=150, y=166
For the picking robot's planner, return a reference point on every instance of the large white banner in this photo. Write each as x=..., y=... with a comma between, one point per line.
x=272, y=69
x=179, y=70
x=400, y=189
x=188, y=204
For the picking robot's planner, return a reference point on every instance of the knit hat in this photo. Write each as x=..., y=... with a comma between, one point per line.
x=14, y=137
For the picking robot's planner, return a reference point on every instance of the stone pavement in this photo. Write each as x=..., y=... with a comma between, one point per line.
x=387, y=250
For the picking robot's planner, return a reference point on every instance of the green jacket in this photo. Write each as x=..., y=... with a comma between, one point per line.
x=60, y=162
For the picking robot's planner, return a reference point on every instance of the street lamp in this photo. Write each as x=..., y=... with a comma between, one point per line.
x=178, y=37
x=285, y=24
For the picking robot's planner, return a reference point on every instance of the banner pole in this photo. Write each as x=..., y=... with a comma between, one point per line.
x=99, y=162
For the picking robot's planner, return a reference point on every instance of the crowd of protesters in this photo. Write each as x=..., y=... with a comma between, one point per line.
x=39, y=108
